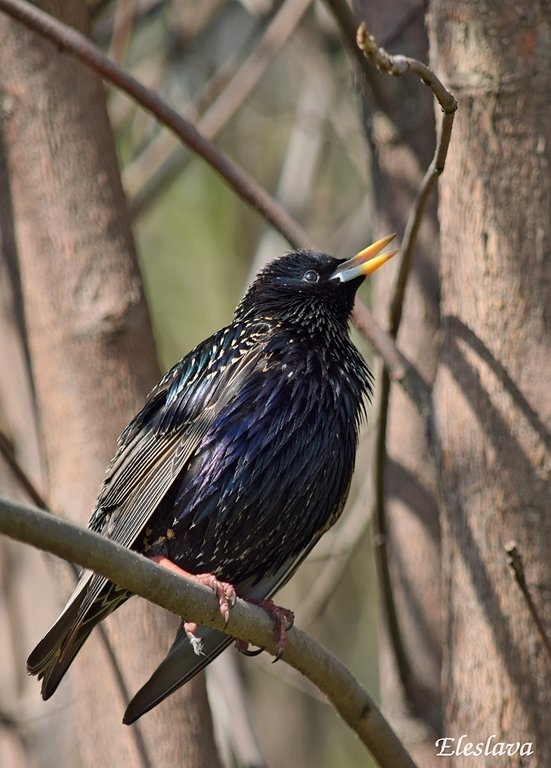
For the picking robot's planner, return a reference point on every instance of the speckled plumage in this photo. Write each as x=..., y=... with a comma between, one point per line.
x=240, y=459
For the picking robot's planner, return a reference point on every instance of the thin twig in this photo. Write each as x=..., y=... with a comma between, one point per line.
x=123, y=20
x=514, y=561
x=7, y=452
x=240, y=181
x=233, y=174
x=171, y=159
x=348, y=26
x=186, y=598
x=398, y=65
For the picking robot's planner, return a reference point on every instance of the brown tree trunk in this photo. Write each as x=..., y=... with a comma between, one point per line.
x=402, y=134
x=492, y=398
x=93, y=360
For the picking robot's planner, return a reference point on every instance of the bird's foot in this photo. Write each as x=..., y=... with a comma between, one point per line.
x=224, y=591
x=283, y=619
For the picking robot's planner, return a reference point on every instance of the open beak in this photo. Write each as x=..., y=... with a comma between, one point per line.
x=365, y=262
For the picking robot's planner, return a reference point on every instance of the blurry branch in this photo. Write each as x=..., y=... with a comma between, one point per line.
x=185, y=598
x=34, y=494
x=235, y=176
x=304, y=145
x=125, y=12
x=169, y=157
x=398, y=65
x=397, y=366
x=339, y=550
x=514, y=561
x=240, y=181
x=8, y=454
x=234, y=731
x=348, y=25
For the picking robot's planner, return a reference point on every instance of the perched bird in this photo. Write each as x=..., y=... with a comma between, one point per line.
x=239, y=461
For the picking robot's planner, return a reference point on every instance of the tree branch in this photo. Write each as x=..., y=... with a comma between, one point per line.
x=171, y=158
x=238, y=179
x=197, y=603
x=232, y=173
x=398, y=65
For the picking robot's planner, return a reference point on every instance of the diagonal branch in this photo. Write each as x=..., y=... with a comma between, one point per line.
x=171, y=157
x=232, y=173
x=237, y=178
x=186, y=598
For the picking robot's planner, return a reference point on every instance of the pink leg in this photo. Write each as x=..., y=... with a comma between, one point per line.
x=224, y=592
x=283, y=618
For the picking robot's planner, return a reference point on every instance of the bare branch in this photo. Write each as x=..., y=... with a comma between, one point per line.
x=398, y=65
x=238, y=179
x=169, y=157
x=232, y=173
x=6, y=450
x=123, y=21
x=185, y=598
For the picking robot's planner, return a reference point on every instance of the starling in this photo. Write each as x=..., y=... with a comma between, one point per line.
x=239, y=461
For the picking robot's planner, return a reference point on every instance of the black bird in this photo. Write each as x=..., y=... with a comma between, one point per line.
x=239, y=461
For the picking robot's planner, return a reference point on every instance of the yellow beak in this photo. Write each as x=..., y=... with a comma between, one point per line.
x=365, y=262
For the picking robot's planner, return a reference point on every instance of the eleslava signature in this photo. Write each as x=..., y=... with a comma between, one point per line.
x=449, y=746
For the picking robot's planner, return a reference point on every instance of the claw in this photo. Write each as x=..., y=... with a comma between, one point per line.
x=243, y=647
x=283, y=619
x=224, y=591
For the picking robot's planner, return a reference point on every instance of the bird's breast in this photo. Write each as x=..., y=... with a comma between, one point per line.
x=272, y=472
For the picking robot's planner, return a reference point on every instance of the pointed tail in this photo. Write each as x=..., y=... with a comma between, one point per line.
x=179, y=666
x=54, y=654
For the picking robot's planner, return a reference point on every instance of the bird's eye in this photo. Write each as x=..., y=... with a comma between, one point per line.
x=311, y=276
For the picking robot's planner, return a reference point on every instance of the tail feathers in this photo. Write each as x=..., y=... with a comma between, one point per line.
x=54, y=654
x=179, y=666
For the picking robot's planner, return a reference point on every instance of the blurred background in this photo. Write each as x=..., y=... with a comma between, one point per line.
x=275, y=85
x=121, y=250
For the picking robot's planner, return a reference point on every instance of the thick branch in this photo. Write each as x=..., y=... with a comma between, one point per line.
x=197, y=603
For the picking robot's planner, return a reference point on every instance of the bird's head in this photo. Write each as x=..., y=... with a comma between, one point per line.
x=307, y=284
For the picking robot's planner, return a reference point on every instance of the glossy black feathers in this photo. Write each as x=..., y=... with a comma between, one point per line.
x=240, y=459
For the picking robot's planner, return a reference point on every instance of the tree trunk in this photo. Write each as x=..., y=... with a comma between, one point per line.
x=492, y=398
x=402, y=134
x=93, y=359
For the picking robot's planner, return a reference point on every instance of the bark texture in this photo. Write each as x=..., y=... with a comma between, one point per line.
x=93, y=360
x=492, y=398
x=402, y=134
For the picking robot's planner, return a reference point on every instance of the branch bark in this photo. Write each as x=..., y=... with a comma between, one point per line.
x=197, y=603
